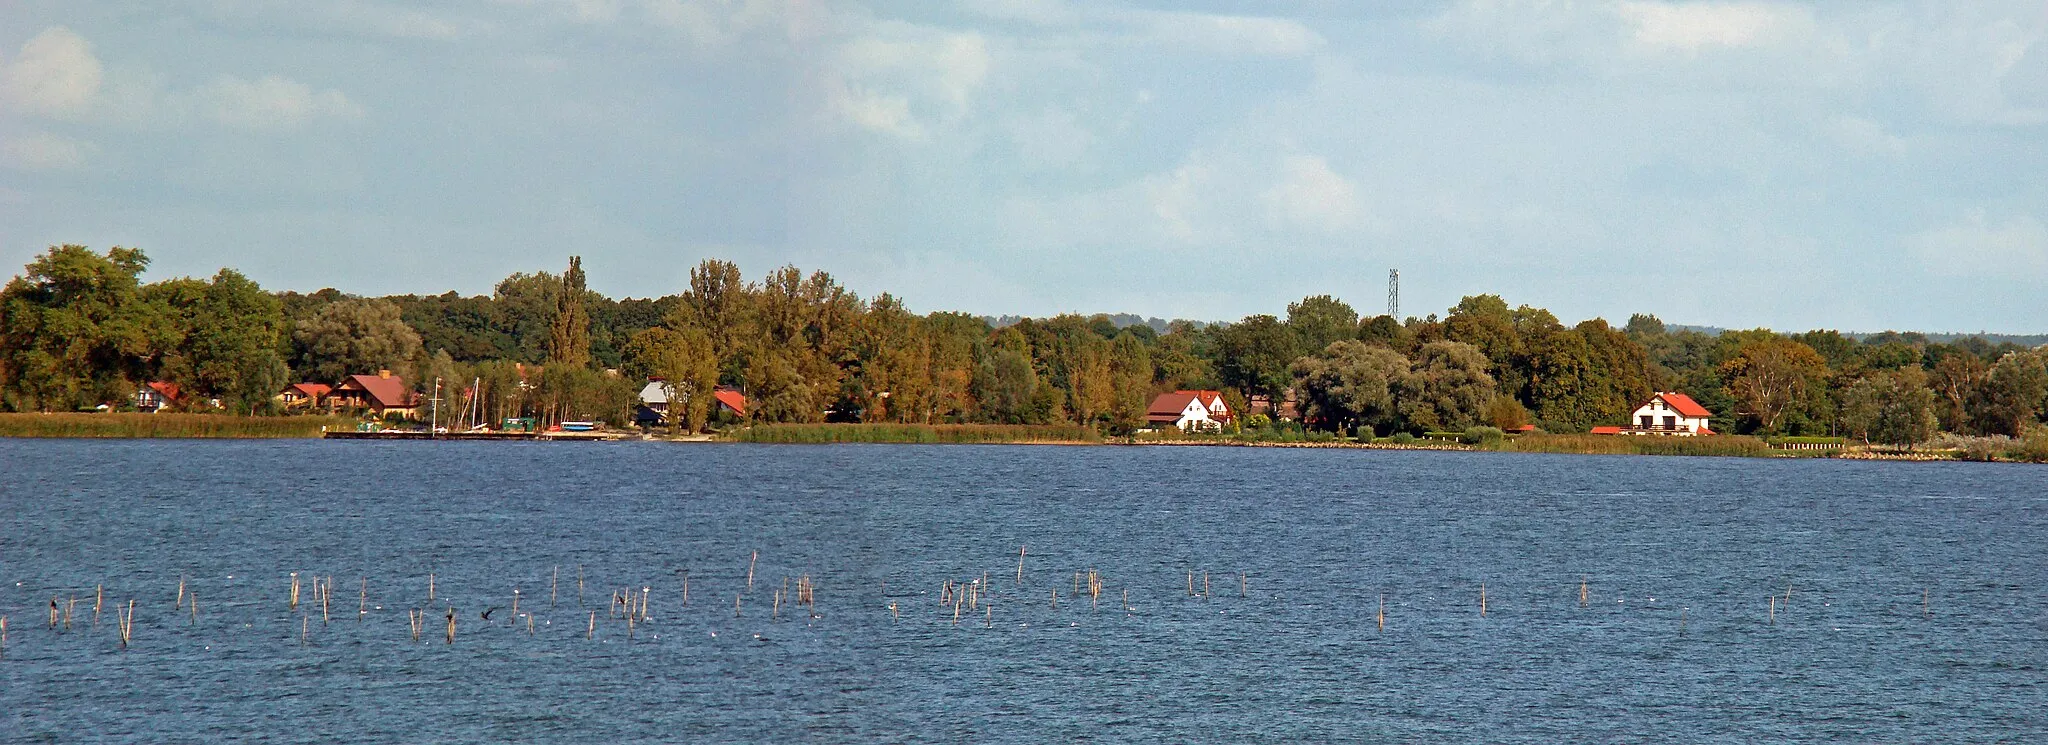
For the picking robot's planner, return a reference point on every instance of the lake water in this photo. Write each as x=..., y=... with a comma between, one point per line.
x=1917, y=608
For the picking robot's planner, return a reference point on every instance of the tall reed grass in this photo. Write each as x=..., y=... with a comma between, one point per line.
x=1726, y=445
x=916, y=433
x=121, y=425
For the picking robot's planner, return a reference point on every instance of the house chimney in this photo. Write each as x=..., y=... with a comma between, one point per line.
x=383, y=373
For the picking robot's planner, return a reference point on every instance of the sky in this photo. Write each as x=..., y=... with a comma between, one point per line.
x=1860, y=165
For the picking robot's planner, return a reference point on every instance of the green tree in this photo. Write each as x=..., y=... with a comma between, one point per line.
x=569, y=333
x=1351, y=384
x=683, y=361
x=2011, y=396
x=231, y=343
x=1254, y=355
x=1384, y=331
x=1448, y=388
x=73, y=332
x=525, y=306
x=1130, y=370
x=1318, y=320
x=1891, y=408
x=1767, y=378
x=356, y=337
x=1005, y=385
x=1955, y=381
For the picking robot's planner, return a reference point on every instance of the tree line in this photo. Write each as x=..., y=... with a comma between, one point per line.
x=79, y=329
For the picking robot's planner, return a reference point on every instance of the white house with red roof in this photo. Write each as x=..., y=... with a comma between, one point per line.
x=1189, y=410
x=1668, y=414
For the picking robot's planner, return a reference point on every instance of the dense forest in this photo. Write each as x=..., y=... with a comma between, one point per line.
x=80, y=329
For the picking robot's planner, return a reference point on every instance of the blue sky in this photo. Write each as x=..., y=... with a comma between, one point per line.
x=1853, y=165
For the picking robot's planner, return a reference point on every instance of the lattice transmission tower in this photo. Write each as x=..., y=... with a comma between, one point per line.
x=1394, y=294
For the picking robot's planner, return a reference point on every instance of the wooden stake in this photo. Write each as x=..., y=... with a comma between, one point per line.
x=776, y=612
x=989, y=621
x=430, y=588
x=303, y=623
x=1582, y=591
x=515, y=602
x=1020, y=564
x=1205, y=584
x=295, y=591
x=591, y=632
x=1681, y=619
x=181, y=594
x=128, y=624
x=194, y=603
x=451, y=624
x=750, y=570
x=736, y=606
x=579, y=585
x=1774, y=610
x=529, y=624
x=686, y=589
x=1055, y=598
x=1382, y=617
x=1191, y=583
x=1482, y=600
x=553, y=581
x=1241, y=584
x=98, y=594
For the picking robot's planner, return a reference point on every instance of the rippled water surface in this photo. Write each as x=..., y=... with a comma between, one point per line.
x=1917, y=608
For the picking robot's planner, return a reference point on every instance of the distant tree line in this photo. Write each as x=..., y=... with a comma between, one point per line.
x=79, y=329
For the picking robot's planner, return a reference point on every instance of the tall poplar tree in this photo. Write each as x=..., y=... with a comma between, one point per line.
x=569, y=337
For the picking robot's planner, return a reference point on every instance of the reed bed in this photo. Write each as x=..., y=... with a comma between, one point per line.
x=950, y=434
x=132, y=425
x=1719, y=445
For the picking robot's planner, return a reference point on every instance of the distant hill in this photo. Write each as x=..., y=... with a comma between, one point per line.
x=2024, y=340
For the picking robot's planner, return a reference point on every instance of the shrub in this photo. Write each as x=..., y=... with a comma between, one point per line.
x=1482, y=435
x=1402, y=438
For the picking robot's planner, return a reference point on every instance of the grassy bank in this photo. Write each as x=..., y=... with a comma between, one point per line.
x=915, y=433
x=114, y=425
x=1727, y=445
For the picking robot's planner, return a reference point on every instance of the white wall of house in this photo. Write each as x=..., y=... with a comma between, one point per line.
x=1196, y=416
x=1659, y=415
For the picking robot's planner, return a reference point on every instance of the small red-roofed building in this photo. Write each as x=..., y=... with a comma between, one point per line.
x=1669, y=414
x=156, y=396
x=1189, y=411
x=299, y=396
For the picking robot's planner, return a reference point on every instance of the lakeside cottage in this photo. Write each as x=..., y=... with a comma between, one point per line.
x=1190, y=411
x=156, y=396
x=299, y=396
x=382, y=395
x=1666, y=413
x=654, y=403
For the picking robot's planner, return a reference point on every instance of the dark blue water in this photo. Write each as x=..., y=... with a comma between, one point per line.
x=1680, y=557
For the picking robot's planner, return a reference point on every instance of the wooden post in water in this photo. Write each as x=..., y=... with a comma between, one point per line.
x=579, y=585
x=1020, y=564
x=1774, y=610
x=326, y=594
x=591, y=631
x=750, y=569
x=70, y=604
x=1241, y=584
x=1681, y=619
x=128, y=624
x=1382, y=617
x=515, y=605
x=362, y=598
x=180, y=605
x=686, y=589
x=53, y=611
x=1482, y=600
x=1191, y=583
x=303, y=623
x=1582, y=591
x=1205, y=583
x=99, y=593
x=430, y=587
x=1127, y=601
x=554, y=581
x=1055, y=598
x=451, y=624
x=295, y=591
x=736, y=605
x=194, y=603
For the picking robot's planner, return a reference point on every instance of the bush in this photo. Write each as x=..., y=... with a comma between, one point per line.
x=1402, y=438
x=1482, y=435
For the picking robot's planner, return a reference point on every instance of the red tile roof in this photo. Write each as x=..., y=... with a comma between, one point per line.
x=1684, y=404
x=168, y=390
x=732, y=399
x=312, y=390
x=389, y=393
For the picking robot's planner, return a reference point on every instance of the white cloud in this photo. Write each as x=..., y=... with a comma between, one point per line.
x=1227, y=34
x=55, y=74
x=710, y=24
x=1053, y=138
x=1976, y=247
x=1309, y=195
x=1865, y=137
x=903, y=79
x=269, y=103
x=1178, y=201
x=1692, y=26
x=43, y=151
